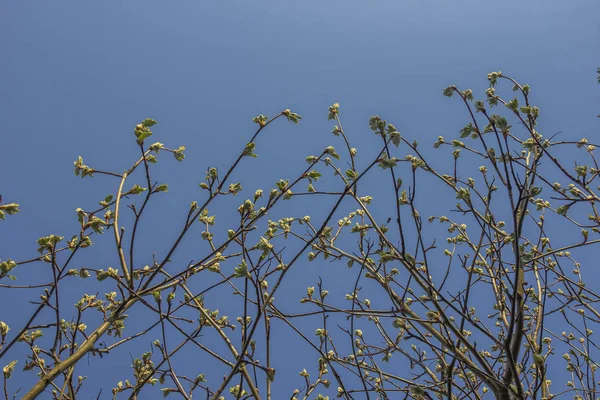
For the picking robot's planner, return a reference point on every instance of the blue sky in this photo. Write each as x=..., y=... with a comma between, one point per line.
x=77, y=76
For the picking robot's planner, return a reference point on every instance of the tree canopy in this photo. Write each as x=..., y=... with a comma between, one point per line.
x=479, y=293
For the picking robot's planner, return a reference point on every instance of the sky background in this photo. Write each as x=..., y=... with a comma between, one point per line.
x=78, y=76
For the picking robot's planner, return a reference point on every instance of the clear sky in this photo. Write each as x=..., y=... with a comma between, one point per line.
x=77, y=76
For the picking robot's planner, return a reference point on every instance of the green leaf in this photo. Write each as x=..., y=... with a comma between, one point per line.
x=385, y=257
x=142, y=131
x=249, y=150
x=396, y=138
x=331, y=151
x=539, y=359
x=581, y=170
x=417, y=390
x=534, y=190
x=149, y=122
x=200, y=378
x=562, y=210
x=48, y=243
x=178, y=154
x=333, y=111
x=493, y=78
x=360, y=228
x=161, y=188
x=501, y=123
x=4, y=328
x=314, y=174
x=8, y=369
x=85, y=242
x=241, y=271
x=394, y=135
x=467, y=130
x=351, y=174
x=137, y=189
x=292, y=117
x=156, y=147
x=157, y=296
x=96, y=224
x=168, y=391
x=377, y=124
x=10, y=209
x=261, y=120
x=235, y=188
x=283, y=184
x=479, y=106
x=108, y=198
x=386, y=163
x=463, y=194
x=101, y=275
x=513, y=105
x=467, y=94
x=6, y=267
x=81, y=215
x=288, y=194
x=82, y=169
x=449, y=91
